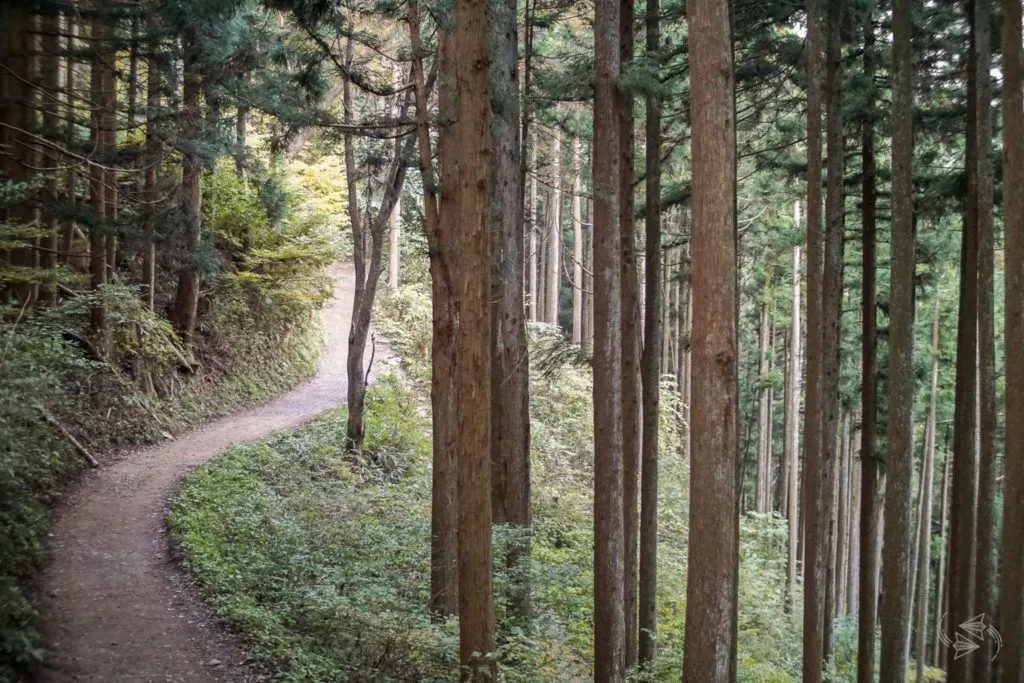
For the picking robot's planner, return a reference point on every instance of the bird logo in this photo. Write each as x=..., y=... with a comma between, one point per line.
x=971, y=635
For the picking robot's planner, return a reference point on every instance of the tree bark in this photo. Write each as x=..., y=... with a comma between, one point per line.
x=988, y=487
x=443, y=516
x=153, y=91
x=1012, y=587
x=187, y=299
x=631, y=330
x=924, y=539
x=793, y=424
x=762, y=497
x=709, y=651
x=651, y=357
x=510, y=370
x=962, y=536
x=870, y=513
x=553, y=277
x=97, y=193
x=899, y=458
x=609, y=545
x=533, y=256
x=941, y=602
x=577, y=247
x=832, y=301
x=469, y=166
x=71, y=179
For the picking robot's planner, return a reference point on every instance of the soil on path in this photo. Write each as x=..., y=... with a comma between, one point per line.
x=116, y=606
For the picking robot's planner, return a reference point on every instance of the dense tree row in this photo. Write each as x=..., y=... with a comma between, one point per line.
x=800, y=171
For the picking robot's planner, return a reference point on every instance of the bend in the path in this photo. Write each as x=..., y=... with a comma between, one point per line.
x=114, y=607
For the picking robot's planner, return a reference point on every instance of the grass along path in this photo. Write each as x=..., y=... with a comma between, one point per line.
x=115, y=606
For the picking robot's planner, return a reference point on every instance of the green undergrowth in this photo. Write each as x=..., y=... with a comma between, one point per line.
x=44, y=376
x=322, y=560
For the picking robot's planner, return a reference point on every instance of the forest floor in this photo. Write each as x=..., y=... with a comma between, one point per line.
x=117, y=606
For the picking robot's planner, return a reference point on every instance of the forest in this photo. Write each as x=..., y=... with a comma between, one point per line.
x=678, y=341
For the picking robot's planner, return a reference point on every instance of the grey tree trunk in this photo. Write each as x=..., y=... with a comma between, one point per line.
x=553, y=279
x=963, y=532
x=870, y=512
x=577, y=247
x=924, y=539
x=793, y=423
x=609, y=548
x=899, y=459
x=510, y=364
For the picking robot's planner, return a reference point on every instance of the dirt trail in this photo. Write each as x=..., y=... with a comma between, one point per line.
x=116, y=606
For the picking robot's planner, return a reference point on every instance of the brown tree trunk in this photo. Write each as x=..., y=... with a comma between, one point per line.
x=870, y=512
x=577, y=247
x=394, y=251
x=709, y=652
x=988, y=487
x=843, y=513
x=553, y=272
x=443, y=516
x=510, y=370
x=150, y=178
x=71, y=178
x=924, y=539
x=815, y=517
x=97, y=193
x=962, y=536
x=609, y=545
x=469, y=167
x=832, y=301
x=651, y=357
x=793, y=424
x=50, y=84
x=1012, y=587
x=899, y=458
x=762, y=496
x=941, y=589
x=587, y=314
x=533, y=255
x=187, y=299
x=631, y=330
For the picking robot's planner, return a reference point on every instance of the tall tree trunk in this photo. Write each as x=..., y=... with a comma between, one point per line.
x=832, y=300
x=924, y=539
x=651, y=357
x=510, y=369
x=941, y=601
x=533, y=256
x=709, y=650
x=1012, y=587
x=443, y=516
x=577, y=247
x=792, y=422
x=609, y=545
x=899, y=437
x=853, y=574
x=149, y=191
x=71, y=177
x=631, y=330
x=553, y=277
x=395, y=234
x=469, y=168
x=187, y=299
x=870, y=512
x=587, y=314
x=988, y=488
x=962, y=536
x=394, y=244
x=815, y=515
x=50, y=76
x=97, y=194
x=762, y=497
x=843, y=513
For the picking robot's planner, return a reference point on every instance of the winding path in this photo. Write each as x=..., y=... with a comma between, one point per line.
x=115, y=605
